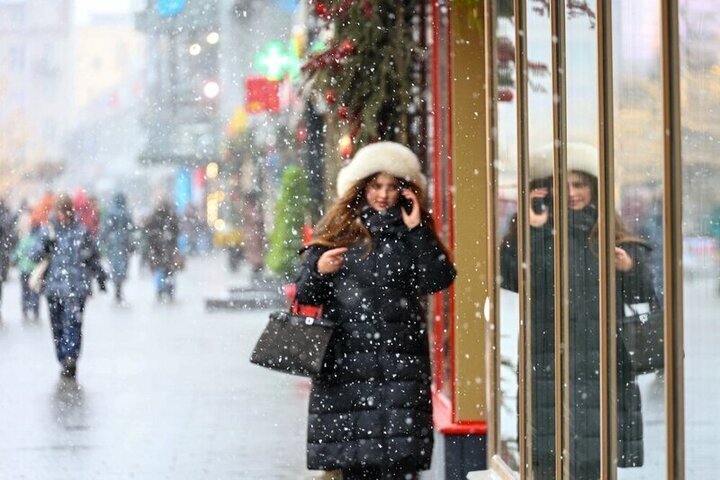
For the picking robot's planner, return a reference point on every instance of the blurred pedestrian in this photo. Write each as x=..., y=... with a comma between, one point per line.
x=253, y=233
x=161, y=232
x=374, y=256
x=74, y=262
x=191, y=230
x=40, y=213
x=86, y=212
x=8, y=239
x=116, y=239
x=30, y=300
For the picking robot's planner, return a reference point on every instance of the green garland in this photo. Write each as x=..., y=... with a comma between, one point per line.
x=364, y=75
x=286, y=238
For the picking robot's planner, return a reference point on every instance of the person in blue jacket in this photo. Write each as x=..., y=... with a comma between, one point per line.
x=116, y=236
x=74, y=263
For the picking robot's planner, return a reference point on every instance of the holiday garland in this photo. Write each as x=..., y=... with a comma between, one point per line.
x=364, y=74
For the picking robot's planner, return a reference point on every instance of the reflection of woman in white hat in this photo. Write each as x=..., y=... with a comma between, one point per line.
x=374, y=256
x=634, y=285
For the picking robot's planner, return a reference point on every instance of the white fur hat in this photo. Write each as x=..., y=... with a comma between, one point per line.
x=581, y=157
x=381, y=157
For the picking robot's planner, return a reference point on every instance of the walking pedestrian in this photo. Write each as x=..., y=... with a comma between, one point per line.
x=30, y=300
x=86, y=212
x=633, y=285
x=116, y=238
x=373, y=258
x=74, y=263
x=161, y=231
x=8, y=239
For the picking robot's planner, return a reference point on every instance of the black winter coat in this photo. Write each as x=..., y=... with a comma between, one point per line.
x=634, y=286
x=371, y=406
x=161, y=231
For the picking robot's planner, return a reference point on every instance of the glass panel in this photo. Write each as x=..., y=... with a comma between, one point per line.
x=583, y=287
x=541, y=344
x=700, y=87
x=638, y=107
x=506, y=214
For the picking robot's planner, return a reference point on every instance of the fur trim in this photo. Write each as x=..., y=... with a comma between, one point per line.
x=581, y=157
x=386, y=157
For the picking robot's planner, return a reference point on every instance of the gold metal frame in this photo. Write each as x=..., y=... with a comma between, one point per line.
x=523, y=239
x=672, y=253
x=606, y=237
x=562, y=365
x=493, y=334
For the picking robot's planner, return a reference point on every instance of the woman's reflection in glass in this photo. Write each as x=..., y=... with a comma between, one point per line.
x=634, y=285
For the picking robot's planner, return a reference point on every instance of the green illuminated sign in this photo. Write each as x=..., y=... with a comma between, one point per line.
x=275, y=61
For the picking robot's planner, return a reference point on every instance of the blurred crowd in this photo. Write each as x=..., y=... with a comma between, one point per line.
x=160, y=237
x=67, y=247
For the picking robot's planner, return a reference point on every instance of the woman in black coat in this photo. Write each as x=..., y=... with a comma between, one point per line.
x=369, y=266
x=634, y=285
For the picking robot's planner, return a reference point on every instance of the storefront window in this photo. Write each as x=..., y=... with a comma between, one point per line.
x=700, y=103
x=506, y=201
x=639, y=183
x=540, y=344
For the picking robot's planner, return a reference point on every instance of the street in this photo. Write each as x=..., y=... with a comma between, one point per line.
x=162, y=391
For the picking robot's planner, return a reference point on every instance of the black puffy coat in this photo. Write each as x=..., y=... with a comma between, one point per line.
x=634, y=286
x=371, y=406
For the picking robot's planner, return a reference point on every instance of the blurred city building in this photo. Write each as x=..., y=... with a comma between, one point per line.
x=36, y=51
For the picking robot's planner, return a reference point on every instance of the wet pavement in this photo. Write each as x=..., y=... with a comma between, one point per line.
x=162, y=391
x=166, y=391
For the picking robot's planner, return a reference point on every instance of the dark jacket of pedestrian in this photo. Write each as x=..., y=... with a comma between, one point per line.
x=116, y=237
x=74, y=263
x=370, y=410
x=74, y=259
x=161, y=231
x=8, y=239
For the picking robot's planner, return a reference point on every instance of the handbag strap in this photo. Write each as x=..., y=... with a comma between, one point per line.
x=306, y=310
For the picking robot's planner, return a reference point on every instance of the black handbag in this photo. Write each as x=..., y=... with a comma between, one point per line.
x=642, y=335
x=294, y=342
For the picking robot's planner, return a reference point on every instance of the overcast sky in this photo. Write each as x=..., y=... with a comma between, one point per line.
x=85, y=8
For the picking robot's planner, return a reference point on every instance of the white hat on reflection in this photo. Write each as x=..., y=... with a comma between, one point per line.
x=582, y=157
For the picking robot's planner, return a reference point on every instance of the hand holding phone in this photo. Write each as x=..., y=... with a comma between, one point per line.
x=539, y=207
x=410, y=208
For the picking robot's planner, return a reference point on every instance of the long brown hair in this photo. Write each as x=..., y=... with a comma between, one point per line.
x=341, y=225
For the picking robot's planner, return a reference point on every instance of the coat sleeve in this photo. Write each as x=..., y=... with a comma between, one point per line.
x=91, y=258
x=40, y=246
x=433, y=269
x=637, y=284
x=313, y=288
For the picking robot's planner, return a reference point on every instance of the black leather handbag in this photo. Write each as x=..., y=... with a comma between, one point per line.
x=294, y=342
x=642, y=335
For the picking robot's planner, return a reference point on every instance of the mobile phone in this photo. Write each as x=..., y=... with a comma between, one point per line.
x=406, y=204
x=538, y=205
x=542, y=205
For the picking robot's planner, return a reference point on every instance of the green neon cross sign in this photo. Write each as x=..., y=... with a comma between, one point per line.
x=275, y=60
